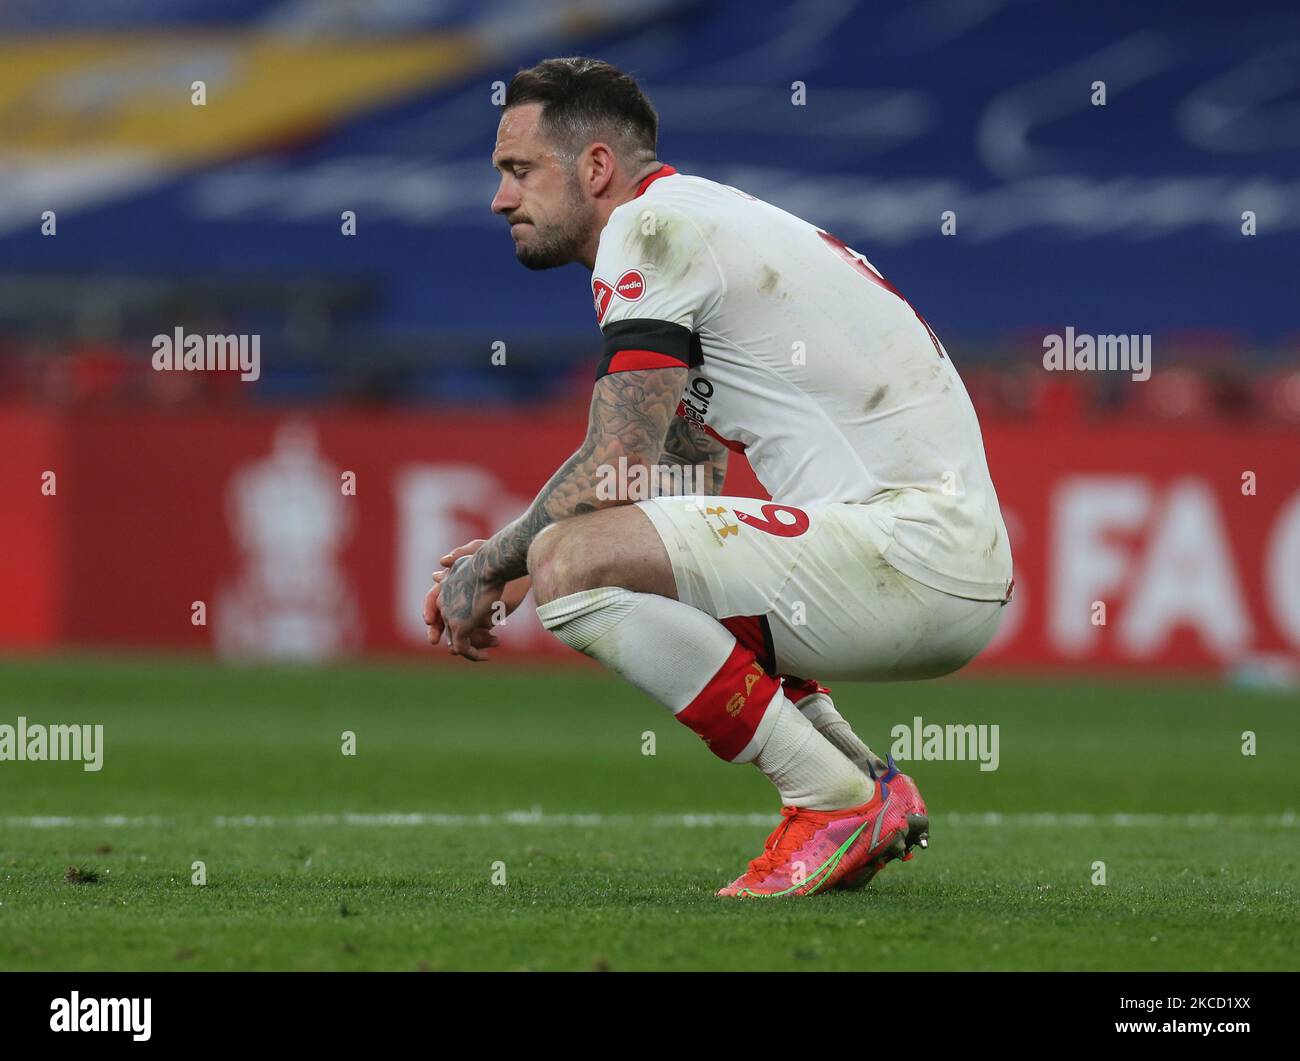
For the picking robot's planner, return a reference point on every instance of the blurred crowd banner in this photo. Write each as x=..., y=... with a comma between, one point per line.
x=308, y=537
x=1118, y=166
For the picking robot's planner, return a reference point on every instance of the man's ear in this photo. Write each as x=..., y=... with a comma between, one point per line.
x=599, y=166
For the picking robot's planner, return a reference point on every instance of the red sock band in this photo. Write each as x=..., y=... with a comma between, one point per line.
x=727, y=711
x=797, y=688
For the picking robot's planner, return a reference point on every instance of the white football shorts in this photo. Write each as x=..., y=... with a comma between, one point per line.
x=814, y=580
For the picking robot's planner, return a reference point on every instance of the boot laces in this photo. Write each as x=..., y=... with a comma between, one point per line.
x=782, y=840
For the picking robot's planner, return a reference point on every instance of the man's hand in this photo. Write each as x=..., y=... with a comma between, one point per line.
x=465, y=602
x=511, y=597
x=629, y=419
x=432, y=616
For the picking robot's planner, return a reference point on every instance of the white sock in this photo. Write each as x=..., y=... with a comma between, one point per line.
x=671, y=652
x=667, y=649
x=820, y=710
x=806, y=768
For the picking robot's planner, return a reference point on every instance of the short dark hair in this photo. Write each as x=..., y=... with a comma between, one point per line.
x=588, y=99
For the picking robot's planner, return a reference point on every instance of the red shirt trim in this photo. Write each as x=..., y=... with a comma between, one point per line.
x=631, y=360
x=730, y=443
x=662, y=171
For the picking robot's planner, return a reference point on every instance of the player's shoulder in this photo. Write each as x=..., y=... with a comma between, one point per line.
x=700, y=203
x=656, y=251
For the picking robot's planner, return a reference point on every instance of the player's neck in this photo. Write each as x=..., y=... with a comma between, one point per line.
x=608, y=204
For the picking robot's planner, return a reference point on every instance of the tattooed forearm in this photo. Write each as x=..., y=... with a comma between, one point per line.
x=691, y=462
x=630, y=415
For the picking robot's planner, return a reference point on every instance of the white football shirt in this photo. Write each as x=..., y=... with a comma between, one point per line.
x=803, y=357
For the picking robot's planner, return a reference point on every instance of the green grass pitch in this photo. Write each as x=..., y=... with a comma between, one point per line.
x=611, y=857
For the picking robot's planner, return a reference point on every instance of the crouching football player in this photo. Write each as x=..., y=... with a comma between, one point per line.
x=731, y=325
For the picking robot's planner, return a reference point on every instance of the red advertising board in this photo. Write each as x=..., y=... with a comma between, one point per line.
x=31, y=539
x=306, y=535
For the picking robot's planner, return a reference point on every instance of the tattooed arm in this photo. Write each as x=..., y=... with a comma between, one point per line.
x=692, y=462
x=630, y=416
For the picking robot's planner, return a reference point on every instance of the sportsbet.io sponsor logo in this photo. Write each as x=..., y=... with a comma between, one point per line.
x=179, y=352
x=695, y=402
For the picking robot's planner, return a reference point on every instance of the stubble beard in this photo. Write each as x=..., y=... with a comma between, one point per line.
x=561, y=242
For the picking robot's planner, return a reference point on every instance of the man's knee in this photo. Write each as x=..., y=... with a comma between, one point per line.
x=559, y=565
x=617, y=547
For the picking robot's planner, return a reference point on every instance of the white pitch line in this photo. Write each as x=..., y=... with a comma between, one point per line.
x=535, y=817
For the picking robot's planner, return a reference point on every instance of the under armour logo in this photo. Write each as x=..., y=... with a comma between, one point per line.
x=725, y=528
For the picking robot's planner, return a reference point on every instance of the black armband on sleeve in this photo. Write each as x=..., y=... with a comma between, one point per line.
x=638, y=344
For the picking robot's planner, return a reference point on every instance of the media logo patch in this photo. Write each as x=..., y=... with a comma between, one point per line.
x=602, y=293
x=630, y=286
